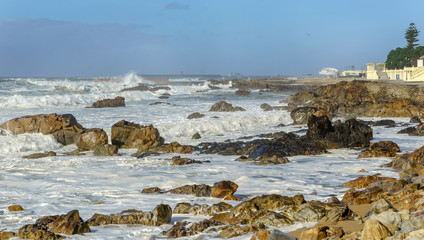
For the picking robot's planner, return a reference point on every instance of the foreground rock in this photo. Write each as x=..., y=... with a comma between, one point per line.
x=380, y=149
x=64, y=128
x=92, y=138
x=160, y=215
x=116, y=102
x=223, y=106
x=364, y=99
x=130, y=135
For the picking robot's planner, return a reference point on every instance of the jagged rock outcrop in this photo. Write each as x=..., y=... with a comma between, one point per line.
x=349, y=134
x=105, y=103
x=223, y=106
x=364, y=99
x=64, y=128
x=131, y=135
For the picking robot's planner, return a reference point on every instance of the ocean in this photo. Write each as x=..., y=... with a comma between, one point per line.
x=107, y=185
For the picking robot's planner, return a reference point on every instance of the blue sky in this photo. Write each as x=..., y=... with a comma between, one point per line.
x=252, y=37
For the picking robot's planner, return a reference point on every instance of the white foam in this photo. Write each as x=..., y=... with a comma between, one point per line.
x=28, y=143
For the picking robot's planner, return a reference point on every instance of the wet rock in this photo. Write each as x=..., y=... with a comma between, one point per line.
x=40, y=155
x=264, y=160
x=301, y=115
x=152, y=190
x=106, y=150
x=69, y=224
x=182, y=208
x=116, y=102
x=408, y=164
x=385, y=122
x=92, y=138
x=140, y=87
x=201, y=190
x=242, y=92
x=223, y=106
x=177, y=160
x=366, y=182
x=164, y=96
x=225, y=190
x=64, y=128
x=411, y=131
x=196, y=136
x=160, y=215
x=284, y=145
x=196, y=115
x=15, y=208
x=34, y=231
x=266, y=107
x=173, y=147
x=380, y=149
x=373, y=229
x=274, y=219
x=415, y=119
x=130, y=135
x=350, y=134
x=183, y=229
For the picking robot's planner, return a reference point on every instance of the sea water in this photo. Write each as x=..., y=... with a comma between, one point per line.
x=107, y=185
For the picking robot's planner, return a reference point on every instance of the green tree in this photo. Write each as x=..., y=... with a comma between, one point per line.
x=411, y=36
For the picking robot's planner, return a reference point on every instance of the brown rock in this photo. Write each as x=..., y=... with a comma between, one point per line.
x=201, y=190
x=106, y=150
x=7, y=235
x=92, y=138
x=173, y=147
x=15, y=208
x=69, y=224
x=195, y=115
x=301, y=115
x=64, y=128
x=262, y=234
x=223, y=106
x=182, y=208
x=225, y=190
x=40, y=155
x=116, y=102
x=130, y=135
x=196, y=136
x=236, y=230
x=316, y=233
x=365, y=182
x=380, y=149
x=34, y=231
x=152, y=190
x=368, y=195
x=243, y=92
x=374, y=230
x=177, y=160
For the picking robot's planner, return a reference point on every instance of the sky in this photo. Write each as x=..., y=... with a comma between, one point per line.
x=69, y=38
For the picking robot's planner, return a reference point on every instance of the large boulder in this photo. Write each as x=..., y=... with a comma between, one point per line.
x=380, y=149
x=374, y=230
x=116, y=102
x=225, y=190
x=130, y=135
x=350, y=134
x=300, y=115
x=64, y=128
x=223, y=106
x=91, y=139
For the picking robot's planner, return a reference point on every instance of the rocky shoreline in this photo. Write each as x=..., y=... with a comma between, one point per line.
x=374, y=208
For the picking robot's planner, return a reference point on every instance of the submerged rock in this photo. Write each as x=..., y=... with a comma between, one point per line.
x=40, y=155
x=195, y=115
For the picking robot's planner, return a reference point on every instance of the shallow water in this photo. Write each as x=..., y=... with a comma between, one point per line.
x=56, y=185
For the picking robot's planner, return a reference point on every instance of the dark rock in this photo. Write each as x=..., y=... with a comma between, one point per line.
x=385, y=122
x=106, y=150
x=69, y=224
x=195, y=115
x=348, y=134
x=7, y=235
x=40, y=155
x=184, y=229
x=266, y=107
x=91, y=139
x=380, y=149
x=34, y=231
x=152, y=190
x=177, y=160
x=223, y=106
x=173, y=147
x=140, y=87
x=116, y=102
x=130, y=135
x=196, y=136
x=415, y=119
x=243, y=92
x=409, y=130
x=154, y=89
